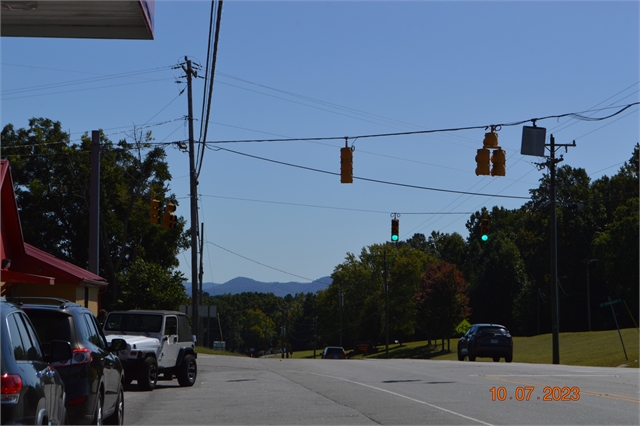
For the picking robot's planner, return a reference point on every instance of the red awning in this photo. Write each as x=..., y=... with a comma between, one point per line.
x=9, y=277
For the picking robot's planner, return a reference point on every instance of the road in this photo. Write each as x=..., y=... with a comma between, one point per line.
x=275, y=391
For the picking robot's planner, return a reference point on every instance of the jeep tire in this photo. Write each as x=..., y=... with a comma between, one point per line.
x=148, y=374
x=187, y=371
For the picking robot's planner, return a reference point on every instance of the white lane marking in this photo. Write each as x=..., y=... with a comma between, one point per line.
x=396, y=394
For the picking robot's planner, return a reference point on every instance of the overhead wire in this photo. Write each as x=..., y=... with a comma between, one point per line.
x=326, y=207
x=205, y=122
x=369, y=179
x=578, y=115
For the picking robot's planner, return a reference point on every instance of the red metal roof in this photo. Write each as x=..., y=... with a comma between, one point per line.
x=10, y=228
x=29, y=264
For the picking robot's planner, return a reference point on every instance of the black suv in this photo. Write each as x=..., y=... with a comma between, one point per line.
x=94, y=376
x=486, y=340
x=32, y=391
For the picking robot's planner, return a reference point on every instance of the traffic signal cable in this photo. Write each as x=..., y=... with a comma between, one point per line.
x=369, y=179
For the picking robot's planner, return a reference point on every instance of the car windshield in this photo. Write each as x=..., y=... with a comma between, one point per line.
x=133, y=322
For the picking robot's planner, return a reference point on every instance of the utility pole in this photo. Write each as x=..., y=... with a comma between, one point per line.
x=589, y=261
x=94, y=212
x=386, y=315
x=341, y=306
x=555, y=321
x=194, y=205
x=200, y=279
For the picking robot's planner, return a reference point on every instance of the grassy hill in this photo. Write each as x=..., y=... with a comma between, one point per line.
x=596, y=348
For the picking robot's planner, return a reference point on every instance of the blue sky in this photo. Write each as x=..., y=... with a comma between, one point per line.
x=334, y=69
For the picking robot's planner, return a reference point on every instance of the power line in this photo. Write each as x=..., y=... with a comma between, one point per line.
x=578, y=115
x=373, y=180
x=258, y=263
x=328, y=207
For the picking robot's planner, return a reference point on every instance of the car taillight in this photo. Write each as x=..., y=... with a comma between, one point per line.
x=78, y=357
x=77, y=401
x=11, y=387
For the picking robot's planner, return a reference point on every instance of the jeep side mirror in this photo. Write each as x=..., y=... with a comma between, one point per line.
x=118, y=345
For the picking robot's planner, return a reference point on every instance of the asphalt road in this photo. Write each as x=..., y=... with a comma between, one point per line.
x=275, y=391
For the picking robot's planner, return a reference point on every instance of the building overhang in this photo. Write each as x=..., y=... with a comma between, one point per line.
x=115, y=19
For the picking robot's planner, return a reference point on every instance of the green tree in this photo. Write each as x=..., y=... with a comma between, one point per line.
x=150, y=286
x=51, y=177
x=441, y=300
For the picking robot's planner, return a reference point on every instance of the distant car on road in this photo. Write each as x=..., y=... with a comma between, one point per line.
x=334, y=352
x=32, y=391
x=486, y=340
x=94, y=376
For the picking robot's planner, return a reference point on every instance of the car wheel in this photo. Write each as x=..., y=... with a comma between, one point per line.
x=148, y=374
x=460, y=356
x=508, y=358
x=472, y=357
x=496, y=359
x=188, y=371
x=97, y=415
x=117, y=418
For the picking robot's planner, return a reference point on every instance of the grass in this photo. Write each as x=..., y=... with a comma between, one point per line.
x=595, y=348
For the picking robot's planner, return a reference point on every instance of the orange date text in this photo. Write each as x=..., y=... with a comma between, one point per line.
x=528, y=393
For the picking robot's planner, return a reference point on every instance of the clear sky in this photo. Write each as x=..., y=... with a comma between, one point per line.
x=333, y=69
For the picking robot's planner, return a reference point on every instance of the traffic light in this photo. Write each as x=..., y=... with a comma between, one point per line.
x=498, y=158
x=482, y=160
x=395, y=229
x=484, y=229
x=346, y=165
x=154, y=216
x=168, y=218
x=490, y=139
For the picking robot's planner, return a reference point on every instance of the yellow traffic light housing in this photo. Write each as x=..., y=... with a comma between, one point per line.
x=498, y=158
x=482, y=161
x=346, y=164
x=490, y=139
x=168, y=218
x=154, y=215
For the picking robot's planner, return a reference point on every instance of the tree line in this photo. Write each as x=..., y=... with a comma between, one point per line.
x=420, y=288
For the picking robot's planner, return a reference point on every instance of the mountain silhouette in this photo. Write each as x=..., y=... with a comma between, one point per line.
x=247, y=285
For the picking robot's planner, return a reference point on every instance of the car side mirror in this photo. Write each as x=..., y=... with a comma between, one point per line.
x=60, y=351
x=118, y=345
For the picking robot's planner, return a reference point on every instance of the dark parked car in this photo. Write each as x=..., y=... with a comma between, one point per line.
x=32, y=391
x=334, y=352
x=94, y=378
x=486, y=340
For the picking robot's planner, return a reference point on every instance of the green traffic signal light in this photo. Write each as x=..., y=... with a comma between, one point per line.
x=484, y=229
x=395, y=229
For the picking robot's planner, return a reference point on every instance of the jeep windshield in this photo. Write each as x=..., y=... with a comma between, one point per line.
x=134, y=323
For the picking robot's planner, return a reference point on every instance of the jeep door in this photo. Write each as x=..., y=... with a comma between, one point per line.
x=170, y=346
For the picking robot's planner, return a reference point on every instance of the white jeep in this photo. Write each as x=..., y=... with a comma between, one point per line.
x=159, y=346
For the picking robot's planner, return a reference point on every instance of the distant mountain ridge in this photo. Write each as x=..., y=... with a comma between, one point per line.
x=247, y=285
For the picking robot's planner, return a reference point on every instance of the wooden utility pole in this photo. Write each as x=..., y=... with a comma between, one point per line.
x=194, y=205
